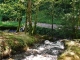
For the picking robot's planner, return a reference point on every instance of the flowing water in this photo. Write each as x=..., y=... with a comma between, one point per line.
x=46, y=51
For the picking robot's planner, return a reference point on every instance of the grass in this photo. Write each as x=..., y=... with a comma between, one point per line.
x=17, y=41
x=8, y=24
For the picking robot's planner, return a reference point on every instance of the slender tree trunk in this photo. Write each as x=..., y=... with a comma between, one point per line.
x=26, y=25
x=29, y=17
x=19, y=23
x=64, y=29
x=52, y=17
x=36, y=18
x=78, y=17
x=19, y=18
x=73, y=21
x=26, y=18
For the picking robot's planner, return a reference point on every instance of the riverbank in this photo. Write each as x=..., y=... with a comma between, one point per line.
x=15, y=43
x=42, y=51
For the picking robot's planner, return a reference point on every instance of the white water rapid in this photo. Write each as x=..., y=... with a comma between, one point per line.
x=46, y=51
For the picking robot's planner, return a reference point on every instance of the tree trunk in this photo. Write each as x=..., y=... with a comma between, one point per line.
x=26, y=25
x=29, y=17
x=52, y=17
x=36, y=18
x=26, y=18
x=19, y=23
x=73, y=21
x=78, y=17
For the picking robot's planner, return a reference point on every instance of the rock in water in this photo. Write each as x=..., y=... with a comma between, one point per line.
x=47, y=42
x=60, y=44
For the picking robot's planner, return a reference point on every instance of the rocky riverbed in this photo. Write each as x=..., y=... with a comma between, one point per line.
x=45, y=51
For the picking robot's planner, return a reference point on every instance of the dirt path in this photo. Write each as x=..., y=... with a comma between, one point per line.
x=48, y=25
x=45, y=25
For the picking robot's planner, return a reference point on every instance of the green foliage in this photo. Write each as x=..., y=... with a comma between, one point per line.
x=65, y=12
x=11, y=9
x=60, y=32
x=1, y=1
x=43, y=18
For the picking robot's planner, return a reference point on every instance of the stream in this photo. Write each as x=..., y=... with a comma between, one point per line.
x=42, y=51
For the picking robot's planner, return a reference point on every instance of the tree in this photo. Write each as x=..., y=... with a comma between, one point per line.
x=71, y=22
x=12, y=10
x=36, y=9
x=26, y=17
x=20, y=8
x=52, y=14
x=29, y=16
